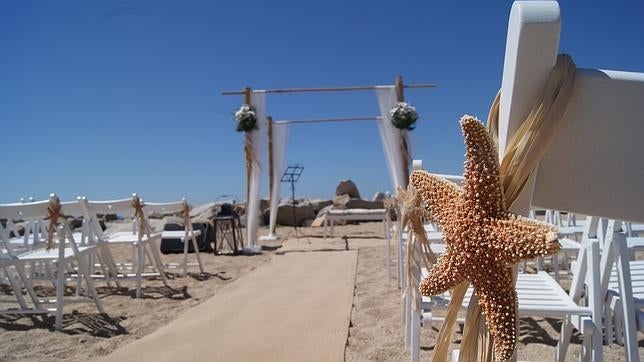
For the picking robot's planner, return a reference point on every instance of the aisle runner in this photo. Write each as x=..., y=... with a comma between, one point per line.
x=295, y=308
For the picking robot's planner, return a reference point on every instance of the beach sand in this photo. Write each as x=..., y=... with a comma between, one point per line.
x=375, y=331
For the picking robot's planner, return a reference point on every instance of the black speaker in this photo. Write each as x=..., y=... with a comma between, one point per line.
x=170, y=246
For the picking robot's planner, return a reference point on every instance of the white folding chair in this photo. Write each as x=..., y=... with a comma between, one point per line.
x=143, y=240
x=61, y=253
x=601, y=126
x=540, y=295
x=187, y=235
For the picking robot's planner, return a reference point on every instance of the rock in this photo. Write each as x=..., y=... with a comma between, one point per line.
x=347, y=187
x=378, y=196
x=303, y=212
x=364, y=204
x=319, y=204
x=204, y=212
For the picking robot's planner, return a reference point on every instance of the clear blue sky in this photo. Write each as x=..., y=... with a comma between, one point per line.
x=106, y=98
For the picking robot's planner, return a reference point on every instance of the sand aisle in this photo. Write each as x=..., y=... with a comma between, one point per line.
x=295, y=308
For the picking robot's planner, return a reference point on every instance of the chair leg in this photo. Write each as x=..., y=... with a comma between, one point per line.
x=17, y=287
x=104, y=269
x=84, y=269
x=627, y=299
x=608, y=323
x=415, y=335
x=111, y=264
x=185, y=258
x=158, y=262
x=196, y=246
x=564, y=340
x=60, y=286
x=28, y=285
x=140, y=261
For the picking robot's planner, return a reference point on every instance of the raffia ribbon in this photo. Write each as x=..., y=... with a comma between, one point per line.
x=54, y=213
x=251, y=160
x=413, y=219
x=137, y=205
x=186, y=215
x=523, y=153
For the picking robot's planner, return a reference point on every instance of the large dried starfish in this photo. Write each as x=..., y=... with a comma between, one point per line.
x=483, y=240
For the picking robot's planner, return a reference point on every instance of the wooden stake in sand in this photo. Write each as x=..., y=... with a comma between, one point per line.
x=248, y=147
x=404, y=134
x=271, y=170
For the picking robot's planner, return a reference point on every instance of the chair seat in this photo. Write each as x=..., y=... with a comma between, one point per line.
x=539, y=295
x=635, y=243
x=571, y=230
x=126, y=237
x=180, y=234
x=52, y=254
x=569, y=245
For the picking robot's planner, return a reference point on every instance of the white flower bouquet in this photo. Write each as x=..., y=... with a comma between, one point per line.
x=246, y=118
x=403, y=116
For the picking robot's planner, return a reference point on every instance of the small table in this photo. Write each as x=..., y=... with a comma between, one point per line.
x=354, y=214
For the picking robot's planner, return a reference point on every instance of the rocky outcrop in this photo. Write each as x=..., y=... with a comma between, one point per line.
x=303, y=212
x=347, y=187
x=308, y=211
x=364, y=204
x=319, y=204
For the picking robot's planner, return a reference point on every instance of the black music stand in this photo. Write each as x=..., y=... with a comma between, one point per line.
x=292, y=175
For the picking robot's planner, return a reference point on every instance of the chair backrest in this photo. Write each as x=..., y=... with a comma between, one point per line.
x=175, y=207
x=32, y=216
x=164, y=208
x=36, y=217
x=599, y=135
x=592, y=165
x=95, y=211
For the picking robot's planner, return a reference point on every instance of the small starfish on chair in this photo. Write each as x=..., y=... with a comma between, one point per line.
x=483, y=240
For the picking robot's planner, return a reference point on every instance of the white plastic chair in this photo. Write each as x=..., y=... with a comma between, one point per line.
x=598, y=134
x=541, y=295
x=143, y=240
x=187, y=235
x=68, y=259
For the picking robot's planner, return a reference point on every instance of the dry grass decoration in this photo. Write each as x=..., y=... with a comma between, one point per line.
x=483, y=240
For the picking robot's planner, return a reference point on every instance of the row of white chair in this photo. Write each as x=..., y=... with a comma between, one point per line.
x=50, y=251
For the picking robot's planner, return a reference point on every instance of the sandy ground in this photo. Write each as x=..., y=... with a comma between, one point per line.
x=375, y=331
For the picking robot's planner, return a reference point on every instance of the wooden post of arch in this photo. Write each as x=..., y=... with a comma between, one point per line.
x=271, y=169
x=248, y=148
x=404, y=134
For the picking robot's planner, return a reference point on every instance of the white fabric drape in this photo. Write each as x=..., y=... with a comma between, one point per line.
x=390, y=137
x=258, y=101
x=279, y=155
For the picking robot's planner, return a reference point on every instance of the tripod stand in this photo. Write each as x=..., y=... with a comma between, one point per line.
x=292, y=175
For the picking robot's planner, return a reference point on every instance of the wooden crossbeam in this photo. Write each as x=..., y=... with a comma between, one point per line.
x=330, y=89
